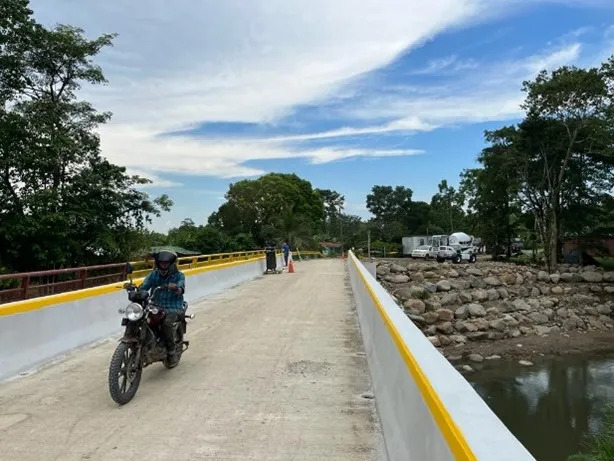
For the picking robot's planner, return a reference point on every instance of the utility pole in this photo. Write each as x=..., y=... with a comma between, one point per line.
x=369, y=244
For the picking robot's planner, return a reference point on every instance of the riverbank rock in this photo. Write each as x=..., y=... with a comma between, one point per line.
x=489, y=301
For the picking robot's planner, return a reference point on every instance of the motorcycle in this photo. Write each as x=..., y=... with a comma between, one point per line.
x=142, y=343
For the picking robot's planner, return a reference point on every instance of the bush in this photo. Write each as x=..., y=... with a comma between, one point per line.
x=600, y=447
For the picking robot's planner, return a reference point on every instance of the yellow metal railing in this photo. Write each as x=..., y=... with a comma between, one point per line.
x=192, y=262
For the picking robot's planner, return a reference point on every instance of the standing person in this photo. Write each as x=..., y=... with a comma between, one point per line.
x=286, y=249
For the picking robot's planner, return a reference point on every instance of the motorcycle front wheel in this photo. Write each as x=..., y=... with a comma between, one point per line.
x=124, y=374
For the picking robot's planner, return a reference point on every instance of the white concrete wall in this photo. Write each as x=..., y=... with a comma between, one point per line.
x=428, y=411
x=28, y=339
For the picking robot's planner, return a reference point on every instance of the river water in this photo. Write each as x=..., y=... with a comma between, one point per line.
x=551, y=406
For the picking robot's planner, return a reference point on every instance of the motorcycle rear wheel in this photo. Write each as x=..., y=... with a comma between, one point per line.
x=124, y=374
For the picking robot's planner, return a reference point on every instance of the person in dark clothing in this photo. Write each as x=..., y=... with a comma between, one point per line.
x=286, y=250
x=171, y=300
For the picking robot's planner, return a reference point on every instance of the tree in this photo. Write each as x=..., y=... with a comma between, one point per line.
x=492, y=196
x=447, y=208
x=61, y=203
x=564, y=142
x=333, y=206
x=259, y=207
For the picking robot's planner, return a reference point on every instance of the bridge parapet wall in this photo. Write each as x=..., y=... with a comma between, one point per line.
x=35, y=331
x=428, y=411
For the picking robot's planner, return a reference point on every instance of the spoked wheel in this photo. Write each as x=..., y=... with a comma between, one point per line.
x=124, y=374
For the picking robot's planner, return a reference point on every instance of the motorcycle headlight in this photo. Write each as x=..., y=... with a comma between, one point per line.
x=134, y=311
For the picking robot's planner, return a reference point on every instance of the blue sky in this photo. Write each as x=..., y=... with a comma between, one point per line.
x=345, y=94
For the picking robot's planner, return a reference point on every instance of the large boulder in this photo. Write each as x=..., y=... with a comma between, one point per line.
x=476, y=310
x=503, y=293
x=399, y=278
x=445, y=328
x=462, y=313
x=430, y=287
x=557, y=290
x=417, y=292
x=430, y=317
x=382, y=270
x=521, y=305
x=543, y=276
x=403, y=293
x=432, y=304
x=508, y=278
x=475, y=271
x=449, y=299
x=592, y=277
x=453, y=273
x=555, y=278
x=466, y=327
x=434, y=341
x=417, y=277
x=445, y=314
x=493, y=294
x=608, y=277
x=415, y=305
x=567, y=277
x=465, y=297
x=498, y=324
x=492, y=281
x=519, y=279
x=603, y=309
x=397, y=269
x=539, y=318
x=477, y=282
x=444, y=285
x=480, y=295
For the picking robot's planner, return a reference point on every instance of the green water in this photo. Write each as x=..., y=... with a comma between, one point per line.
x=551, y=406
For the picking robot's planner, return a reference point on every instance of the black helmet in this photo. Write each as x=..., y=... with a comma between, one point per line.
x=166, y=256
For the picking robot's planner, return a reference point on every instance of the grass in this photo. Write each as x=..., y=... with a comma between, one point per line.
x=600, y=447
x=607, y=262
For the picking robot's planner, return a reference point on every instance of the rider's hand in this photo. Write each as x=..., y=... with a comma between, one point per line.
x=174, y=288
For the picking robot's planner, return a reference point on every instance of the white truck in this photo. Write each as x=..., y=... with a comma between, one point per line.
x=459, y=248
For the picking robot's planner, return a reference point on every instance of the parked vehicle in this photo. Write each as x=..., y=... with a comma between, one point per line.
x=456, y=255
x=425, y=251
x=142, y=343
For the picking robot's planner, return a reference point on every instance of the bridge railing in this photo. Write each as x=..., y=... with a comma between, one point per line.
x=27, y=285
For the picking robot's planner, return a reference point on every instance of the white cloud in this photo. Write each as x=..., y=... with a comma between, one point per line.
x=448, y=64
x=492, y=94
x=325, y=155
x=178, y=64
x=156, y=181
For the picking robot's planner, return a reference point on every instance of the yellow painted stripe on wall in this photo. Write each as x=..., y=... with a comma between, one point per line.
x=28, y=305
x=450, y=431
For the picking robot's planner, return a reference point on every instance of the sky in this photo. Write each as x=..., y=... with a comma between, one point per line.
x=347, y=94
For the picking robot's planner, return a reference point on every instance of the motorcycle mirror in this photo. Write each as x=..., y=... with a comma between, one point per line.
x=129, y=268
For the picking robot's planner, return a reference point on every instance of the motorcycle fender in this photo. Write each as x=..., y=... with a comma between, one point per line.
x=128, y=340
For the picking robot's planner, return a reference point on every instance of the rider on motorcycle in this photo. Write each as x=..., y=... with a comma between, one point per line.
x=171, y=300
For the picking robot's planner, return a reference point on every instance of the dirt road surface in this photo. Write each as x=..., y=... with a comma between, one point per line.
x=275, y=371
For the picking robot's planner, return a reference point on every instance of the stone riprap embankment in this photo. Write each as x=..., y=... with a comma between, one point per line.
x=455, y=304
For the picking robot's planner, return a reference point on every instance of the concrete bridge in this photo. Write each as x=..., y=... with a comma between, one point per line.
x=319, y=364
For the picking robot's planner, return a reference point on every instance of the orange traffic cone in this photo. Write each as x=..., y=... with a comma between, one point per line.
x=290, y=266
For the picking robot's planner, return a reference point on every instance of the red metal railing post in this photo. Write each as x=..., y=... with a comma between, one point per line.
x=83, y=278
x=25, y=283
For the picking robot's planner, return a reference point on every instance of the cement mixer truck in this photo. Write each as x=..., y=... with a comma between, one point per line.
x=459, y=247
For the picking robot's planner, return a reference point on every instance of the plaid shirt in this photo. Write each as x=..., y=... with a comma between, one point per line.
x=166, y=299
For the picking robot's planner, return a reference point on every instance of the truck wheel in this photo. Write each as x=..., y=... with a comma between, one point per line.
x=472, y=259
x=457, y=259
x=440, y=260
